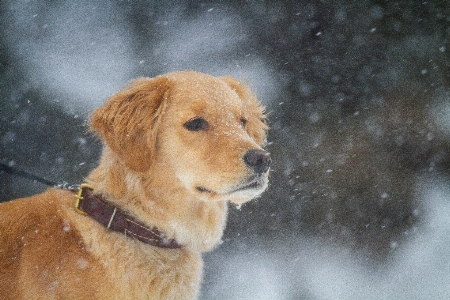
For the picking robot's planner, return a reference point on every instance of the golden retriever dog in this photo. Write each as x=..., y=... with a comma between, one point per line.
x=177, y=147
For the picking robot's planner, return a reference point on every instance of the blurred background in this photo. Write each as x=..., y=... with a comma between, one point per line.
x=358, y=94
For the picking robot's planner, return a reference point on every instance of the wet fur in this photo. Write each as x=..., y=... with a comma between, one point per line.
x=151, y=167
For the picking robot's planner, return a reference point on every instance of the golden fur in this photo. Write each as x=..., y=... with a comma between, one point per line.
x=161, y=173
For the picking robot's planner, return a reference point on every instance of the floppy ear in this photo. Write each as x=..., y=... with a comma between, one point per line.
x=256, y=119
x=128, y=121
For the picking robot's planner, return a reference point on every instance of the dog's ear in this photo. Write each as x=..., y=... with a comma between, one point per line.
x=128, y=121
x=256, y=119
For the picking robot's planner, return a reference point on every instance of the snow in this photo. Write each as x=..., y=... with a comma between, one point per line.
x=76, y=50
x=208, y=43
x=82, y=263
x=83, y=55
x=66, y=225
x=305, y=268
x=358, y=205
x=441, y=113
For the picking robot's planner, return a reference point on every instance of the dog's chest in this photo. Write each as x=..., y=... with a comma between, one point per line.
x=138, y=271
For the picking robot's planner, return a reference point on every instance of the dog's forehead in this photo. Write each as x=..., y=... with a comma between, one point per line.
x=206, y=93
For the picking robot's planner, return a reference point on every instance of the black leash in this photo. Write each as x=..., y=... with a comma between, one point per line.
x=4, y=168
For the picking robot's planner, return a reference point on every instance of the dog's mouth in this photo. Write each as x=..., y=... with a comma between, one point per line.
x=255, y=184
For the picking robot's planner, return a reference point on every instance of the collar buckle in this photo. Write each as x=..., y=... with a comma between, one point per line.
x=79, y=198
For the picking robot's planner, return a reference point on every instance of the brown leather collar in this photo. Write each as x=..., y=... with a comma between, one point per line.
x=114, y=219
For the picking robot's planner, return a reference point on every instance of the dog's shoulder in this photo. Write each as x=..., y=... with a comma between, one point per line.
x=26, y=222
x=41, y=250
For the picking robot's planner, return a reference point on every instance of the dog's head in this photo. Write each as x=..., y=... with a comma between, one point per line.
x=207, y=132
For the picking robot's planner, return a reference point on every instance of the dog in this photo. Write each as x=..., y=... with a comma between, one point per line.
x=177, y=148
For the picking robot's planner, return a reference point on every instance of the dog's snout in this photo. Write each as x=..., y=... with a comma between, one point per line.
x=258, y=160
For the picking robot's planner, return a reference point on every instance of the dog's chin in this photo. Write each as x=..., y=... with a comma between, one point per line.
x=237, y=194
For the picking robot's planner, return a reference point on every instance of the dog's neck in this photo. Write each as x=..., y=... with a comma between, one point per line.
x=115, y=219
x=159, y=200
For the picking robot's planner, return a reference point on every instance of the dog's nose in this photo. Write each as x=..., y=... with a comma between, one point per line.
x=258, y=160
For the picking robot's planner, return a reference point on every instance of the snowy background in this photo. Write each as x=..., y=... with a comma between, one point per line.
x=359, y=100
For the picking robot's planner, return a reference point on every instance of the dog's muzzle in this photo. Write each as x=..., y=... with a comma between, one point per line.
x=258, y=160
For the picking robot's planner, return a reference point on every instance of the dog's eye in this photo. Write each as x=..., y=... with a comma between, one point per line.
x=196, y=124
x=243, y=122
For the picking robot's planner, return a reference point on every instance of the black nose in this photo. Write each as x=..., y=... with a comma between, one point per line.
x=258, y=160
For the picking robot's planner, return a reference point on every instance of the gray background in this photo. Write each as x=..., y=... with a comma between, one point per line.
x=359, y=101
